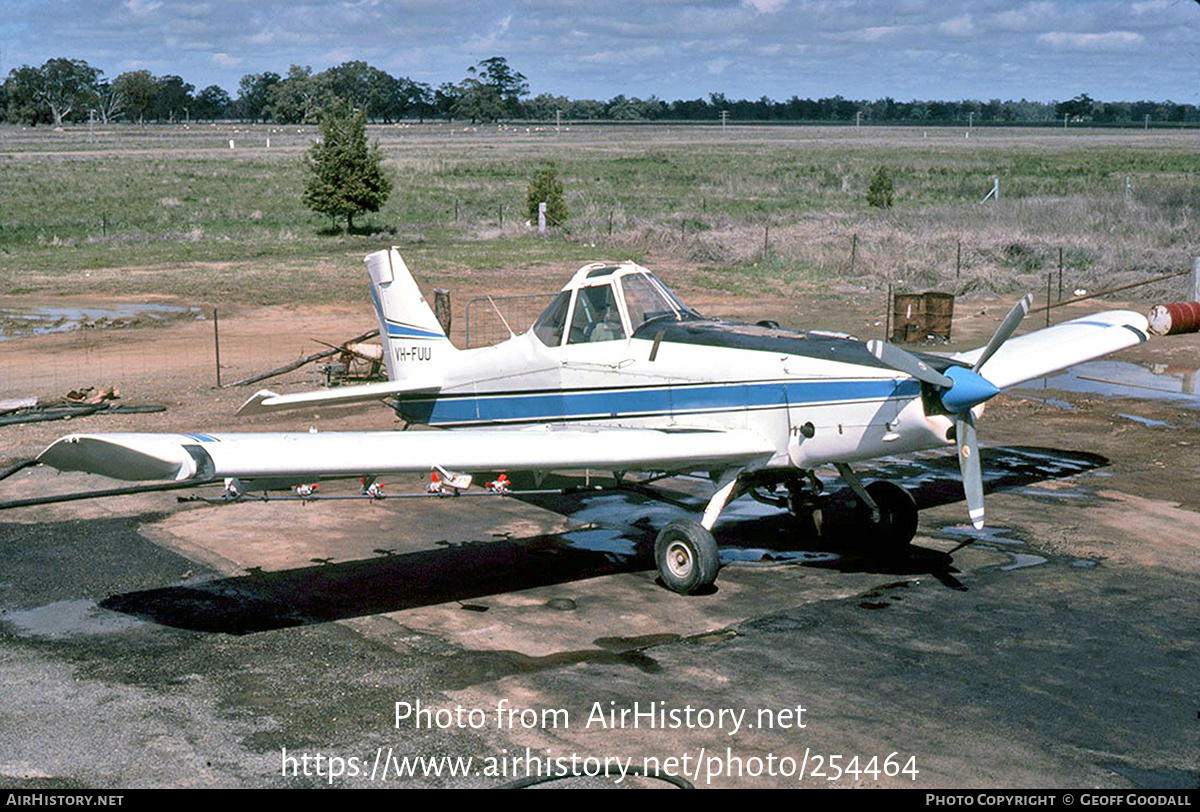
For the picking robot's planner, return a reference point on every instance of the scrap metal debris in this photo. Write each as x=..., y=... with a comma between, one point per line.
x=342, y=349
x=76, y=403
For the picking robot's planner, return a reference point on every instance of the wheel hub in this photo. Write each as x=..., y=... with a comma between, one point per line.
x=679, y=559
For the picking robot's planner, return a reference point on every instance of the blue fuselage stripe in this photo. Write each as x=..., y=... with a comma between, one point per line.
x=610, y=403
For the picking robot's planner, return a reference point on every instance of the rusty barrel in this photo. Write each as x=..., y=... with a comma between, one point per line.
x=1175, y=318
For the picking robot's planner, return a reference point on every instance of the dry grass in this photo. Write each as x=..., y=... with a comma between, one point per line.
x=748, y=209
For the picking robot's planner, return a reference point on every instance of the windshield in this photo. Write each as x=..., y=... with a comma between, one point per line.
x=646, y=299
x=549, y=326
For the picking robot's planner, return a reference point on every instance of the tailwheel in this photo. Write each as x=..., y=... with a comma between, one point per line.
x=897, y=516
x=686, y=555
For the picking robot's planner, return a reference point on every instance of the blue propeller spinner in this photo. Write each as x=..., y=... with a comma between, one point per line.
x=960, y=390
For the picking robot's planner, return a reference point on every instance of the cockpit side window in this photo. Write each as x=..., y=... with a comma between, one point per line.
x=596, y=317
x=549, y=326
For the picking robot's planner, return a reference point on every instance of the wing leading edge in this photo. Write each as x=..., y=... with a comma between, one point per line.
x=1051, y=349
x=351, y=454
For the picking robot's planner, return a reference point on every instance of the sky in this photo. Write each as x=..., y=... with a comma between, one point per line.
x=1046, y=50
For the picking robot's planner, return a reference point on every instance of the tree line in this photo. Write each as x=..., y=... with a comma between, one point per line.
x=70, y=90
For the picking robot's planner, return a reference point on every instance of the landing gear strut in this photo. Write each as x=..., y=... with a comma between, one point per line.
x=883, y=510
x=897, y=522
x=686, y=552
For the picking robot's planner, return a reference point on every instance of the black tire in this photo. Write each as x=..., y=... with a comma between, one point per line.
x=686, y=556
x=897, y=516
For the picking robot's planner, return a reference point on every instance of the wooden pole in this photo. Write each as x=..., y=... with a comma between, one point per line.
x=1060, y=270
x=1049, y=278
x=1086, y=296
x=887, y=315
x=217, y=345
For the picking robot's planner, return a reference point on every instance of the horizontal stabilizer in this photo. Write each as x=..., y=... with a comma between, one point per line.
x=264, y=400
x=314, y=455
x=1049, y=350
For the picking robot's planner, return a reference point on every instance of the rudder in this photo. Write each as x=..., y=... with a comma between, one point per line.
x=413, y=340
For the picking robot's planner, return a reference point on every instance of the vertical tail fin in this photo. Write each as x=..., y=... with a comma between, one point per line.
x=413, y=340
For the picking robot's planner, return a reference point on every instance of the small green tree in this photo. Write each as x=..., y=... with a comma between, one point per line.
x=881, y=191
x=545, y=187
x=345, y=174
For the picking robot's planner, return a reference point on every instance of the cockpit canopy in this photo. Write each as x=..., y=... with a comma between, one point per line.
x=604, y=302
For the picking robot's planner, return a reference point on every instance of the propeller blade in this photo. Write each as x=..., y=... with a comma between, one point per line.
x=906, y=362
x=968, y=463
x=1005, y=330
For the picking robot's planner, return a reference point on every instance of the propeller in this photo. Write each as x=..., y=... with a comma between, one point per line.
x=962, y=390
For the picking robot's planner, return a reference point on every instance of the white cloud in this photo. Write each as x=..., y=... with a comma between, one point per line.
x=958, y=27
x=1151, y=6
x=226, y=61
x=1030, y=17
x=765, y=6
x=340, y=55
x=489, y=42
x=718, y=66
x=142, y=7
x=873, y=34
x=1108, y=41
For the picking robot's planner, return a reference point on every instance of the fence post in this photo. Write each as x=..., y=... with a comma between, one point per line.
x=1060, y=270
x=542, y=218
x=1049, y=279
x=217, y=345
x=441, y=308
x=887, y=316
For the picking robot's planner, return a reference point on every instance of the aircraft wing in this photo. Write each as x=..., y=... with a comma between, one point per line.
x=333, y=454
x=1046, y=351
x=264, y=400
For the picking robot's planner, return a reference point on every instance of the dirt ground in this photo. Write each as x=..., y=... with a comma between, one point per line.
x=1056, y=649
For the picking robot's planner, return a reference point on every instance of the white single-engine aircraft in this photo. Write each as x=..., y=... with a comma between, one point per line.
x=619, y=375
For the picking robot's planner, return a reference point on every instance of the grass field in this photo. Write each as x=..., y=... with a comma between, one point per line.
x=134, y=211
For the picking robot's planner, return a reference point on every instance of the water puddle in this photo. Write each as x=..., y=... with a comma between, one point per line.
x=1145, y=421
x=1122, y=379
x=62, y=619
x=760, y=556
x=16, y=322
x=994, y=539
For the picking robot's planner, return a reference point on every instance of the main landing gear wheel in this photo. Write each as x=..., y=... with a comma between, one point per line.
x=686, y=555
x=897, y=516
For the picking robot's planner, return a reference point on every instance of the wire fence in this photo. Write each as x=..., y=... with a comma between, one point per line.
x=489, y=318
x=183, y=353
